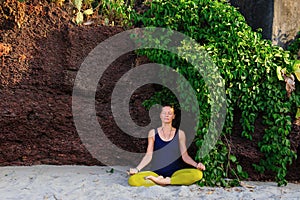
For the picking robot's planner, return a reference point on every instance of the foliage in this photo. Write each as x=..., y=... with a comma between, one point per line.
x=111, y=11
x=248, y=64
x=282, y=73
x=116, y=11
x=294, y=46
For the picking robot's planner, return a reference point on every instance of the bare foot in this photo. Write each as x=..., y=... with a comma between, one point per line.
x=160, y=180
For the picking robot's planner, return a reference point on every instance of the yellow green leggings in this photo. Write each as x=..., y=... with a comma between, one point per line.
x=181, y=177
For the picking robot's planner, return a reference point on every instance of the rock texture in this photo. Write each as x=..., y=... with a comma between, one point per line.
x=286, y=21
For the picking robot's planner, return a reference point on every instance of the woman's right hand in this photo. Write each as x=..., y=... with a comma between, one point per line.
x=133, y=171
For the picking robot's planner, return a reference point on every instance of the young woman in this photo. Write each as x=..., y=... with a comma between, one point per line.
x=166, y=151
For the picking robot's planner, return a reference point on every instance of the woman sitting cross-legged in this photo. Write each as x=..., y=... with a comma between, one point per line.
x=166, y=151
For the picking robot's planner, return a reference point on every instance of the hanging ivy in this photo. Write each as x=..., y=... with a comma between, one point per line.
x=248, y=65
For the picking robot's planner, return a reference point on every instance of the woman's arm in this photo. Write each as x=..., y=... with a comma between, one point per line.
x=148, y=156
x=185, y=156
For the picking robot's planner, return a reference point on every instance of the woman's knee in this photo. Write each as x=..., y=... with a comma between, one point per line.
x=133, y=181
x=198, y=175
x=139, y=179
x=186, y=177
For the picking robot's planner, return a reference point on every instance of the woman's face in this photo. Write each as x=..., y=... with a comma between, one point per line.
x=167, y=114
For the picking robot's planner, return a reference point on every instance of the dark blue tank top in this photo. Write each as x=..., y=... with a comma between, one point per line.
x=166, y=157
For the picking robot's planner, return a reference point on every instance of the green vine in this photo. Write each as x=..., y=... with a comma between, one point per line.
x=111, y=12
x=248, y=64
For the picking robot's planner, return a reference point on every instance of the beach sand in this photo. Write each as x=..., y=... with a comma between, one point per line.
x=96, y=182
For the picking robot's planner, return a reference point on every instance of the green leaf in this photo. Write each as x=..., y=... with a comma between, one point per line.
x=298, y=113
x=278, y=70
x=110, y=171
x=78, y=4
x=239, y=168
x=88, y=12
x=79, y=18
x=106, y=21
x=233, y=158
x=296, y=69
x=278, y=55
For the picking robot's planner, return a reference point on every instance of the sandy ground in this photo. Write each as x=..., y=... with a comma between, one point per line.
x=84, y=182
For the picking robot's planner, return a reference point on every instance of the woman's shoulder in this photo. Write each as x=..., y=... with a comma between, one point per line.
x=179, y=130
x=181, y=133
x=151, y=133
